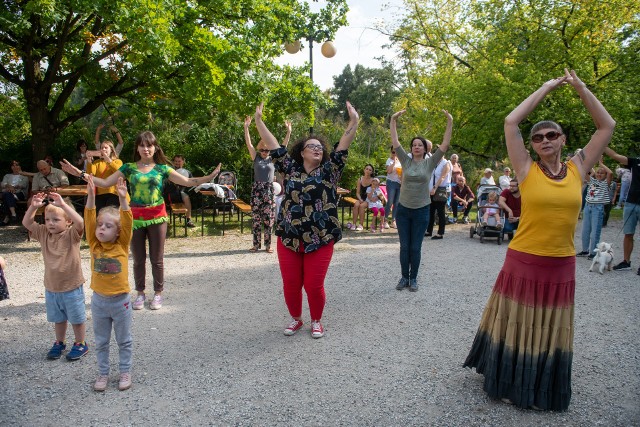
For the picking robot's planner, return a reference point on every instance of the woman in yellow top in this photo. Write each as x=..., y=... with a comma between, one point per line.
x=103, y=167
x=524, y=345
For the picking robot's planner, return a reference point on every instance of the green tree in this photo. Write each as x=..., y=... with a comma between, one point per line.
x=372, y=90
x=67, y=58
x=479, y=59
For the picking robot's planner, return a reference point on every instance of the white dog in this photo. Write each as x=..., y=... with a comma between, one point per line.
x=603, y=256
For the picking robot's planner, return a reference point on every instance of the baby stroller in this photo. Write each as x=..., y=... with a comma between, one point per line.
x=491, y=229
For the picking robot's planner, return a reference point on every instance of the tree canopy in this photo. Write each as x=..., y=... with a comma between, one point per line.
x=479, y=59
x=66, y=59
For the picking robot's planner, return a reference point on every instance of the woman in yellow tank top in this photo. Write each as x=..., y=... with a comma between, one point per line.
x=105, y=166
x=524, y=345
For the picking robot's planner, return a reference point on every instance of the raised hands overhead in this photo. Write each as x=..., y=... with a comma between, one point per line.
x=350, y=132
x=267, y=137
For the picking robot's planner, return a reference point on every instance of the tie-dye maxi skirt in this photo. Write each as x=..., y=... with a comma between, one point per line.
x=524, y=345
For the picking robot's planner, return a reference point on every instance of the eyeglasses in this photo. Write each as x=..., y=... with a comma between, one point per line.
x=551, y=136
x=264, y=150
x=314, y=147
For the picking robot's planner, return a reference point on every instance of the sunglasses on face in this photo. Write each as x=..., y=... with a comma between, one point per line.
x=264, y=150
x=551, y=136
x=314, y=147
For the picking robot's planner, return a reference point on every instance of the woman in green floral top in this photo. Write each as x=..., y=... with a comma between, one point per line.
x=308, y=224
x=146, y=176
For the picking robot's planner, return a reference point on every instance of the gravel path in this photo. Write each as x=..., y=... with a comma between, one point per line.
x=215, y=354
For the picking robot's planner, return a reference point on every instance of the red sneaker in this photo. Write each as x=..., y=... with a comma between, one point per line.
x=293, y=327
x=317, y=331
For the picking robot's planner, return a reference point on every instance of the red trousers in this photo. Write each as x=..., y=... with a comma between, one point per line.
x=300, y=270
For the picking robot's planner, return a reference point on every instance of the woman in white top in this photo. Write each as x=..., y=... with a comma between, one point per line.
x=14, y=187
x=440, y=179
x=394, y=173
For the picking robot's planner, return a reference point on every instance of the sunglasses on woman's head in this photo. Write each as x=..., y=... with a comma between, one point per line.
x=551, y=136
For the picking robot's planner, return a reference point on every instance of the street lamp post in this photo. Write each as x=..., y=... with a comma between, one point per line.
x=328, y=50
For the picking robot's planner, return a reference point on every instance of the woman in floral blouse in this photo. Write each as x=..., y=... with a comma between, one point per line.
x=307, y=224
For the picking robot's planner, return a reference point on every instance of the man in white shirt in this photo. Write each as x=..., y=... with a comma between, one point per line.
x=505, y=179
x=174, y=190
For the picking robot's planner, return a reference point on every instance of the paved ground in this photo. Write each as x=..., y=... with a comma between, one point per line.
x=216, y=355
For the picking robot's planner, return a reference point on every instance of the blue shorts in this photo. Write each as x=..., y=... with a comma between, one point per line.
x=630, y=218
x=63, y=306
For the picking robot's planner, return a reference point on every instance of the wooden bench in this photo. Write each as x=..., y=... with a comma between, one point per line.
x=243, y=209
x=178, y=210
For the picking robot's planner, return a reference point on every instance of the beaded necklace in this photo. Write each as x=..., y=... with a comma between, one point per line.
x=560, y=175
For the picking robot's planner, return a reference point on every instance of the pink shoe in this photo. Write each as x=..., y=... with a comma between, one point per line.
x=156, y=304
x=138, y=304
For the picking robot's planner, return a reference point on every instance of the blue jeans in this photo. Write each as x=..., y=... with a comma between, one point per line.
x=393, y=197
x=411, y=223
x=591, y=226
x=510, y=227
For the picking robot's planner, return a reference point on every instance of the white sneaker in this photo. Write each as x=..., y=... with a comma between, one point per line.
x=156, y=304
x=138, y=304
x=317, y=331
x=386, y=225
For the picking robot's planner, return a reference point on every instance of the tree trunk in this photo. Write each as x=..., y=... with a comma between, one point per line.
x=43, y=129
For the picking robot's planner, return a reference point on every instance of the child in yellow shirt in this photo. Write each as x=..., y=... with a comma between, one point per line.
x=109, y=236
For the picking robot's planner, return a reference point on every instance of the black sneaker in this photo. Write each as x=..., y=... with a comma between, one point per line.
x=403, y=283
x=413, y=285
x=56, y=350
x=624, y=265
x=583, y=253
x=638, y=271
x=190, y=223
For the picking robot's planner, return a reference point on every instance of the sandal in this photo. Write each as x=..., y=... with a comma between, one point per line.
x=269, y=250
x=253, y=249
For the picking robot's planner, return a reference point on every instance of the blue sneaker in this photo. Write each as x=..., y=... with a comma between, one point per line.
x=78, y=350
x=56, y=350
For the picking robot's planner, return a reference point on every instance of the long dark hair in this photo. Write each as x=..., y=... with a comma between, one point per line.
x=147, y=137
x=373, y=170
x=425, y=144
x=298, y=146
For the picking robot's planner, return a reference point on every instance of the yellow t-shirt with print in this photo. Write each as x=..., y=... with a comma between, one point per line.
x=109, y=261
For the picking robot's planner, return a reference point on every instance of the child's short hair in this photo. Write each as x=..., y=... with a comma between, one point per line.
x=111, y=211
x=51, y=208
x=376, y=180
x=492, y=194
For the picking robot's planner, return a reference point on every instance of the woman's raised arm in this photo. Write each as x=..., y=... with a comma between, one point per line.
x=247, y=138
x=518, y=154
x=267, y=137
x=350, y=132
x=446, y=139
x=393, y=126
x=605, y=125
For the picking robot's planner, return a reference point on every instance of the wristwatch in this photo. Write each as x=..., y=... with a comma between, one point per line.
x=82, y=174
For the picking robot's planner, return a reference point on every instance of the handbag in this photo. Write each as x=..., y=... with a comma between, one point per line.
x=440, y=195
